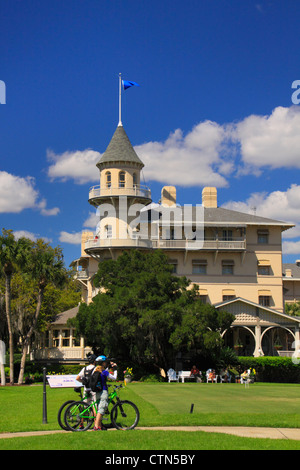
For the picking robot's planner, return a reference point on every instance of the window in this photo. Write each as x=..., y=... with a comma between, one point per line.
x=173, y=263
x=228, y=297
x=108, y=231
x=108, y=179
x=264, y=300
x=122, y=179
x=134, y=180
x=55, y=338
x=65, y=338
x=263, y=236
x=227, y=235
x=199, y=266
x=227, y=267
x=263, y=270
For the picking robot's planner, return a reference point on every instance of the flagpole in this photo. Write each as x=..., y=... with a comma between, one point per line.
x=120, y=105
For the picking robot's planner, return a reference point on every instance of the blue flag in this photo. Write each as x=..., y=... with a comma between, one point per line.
x=128, y=84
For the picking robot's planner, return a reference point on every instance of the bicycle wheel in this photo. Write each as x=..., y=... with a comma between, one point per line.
x=61, y=413
x=125, y=415
x=79, y=416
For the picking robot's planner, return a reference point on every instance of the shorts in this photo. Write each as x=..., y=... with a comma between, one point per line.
x=103, y=403
x=91, y=396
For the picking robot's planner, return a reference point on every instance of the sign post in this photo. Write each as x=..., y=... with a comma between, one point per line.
x=44, y=397
x=2, y=362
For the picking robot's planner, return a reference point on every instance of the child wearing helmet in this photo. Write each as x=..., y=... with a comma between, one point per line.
x=102, y=362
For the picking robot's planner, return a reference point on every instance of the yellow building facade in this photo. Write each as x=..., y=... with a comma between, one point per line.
x=235, y=258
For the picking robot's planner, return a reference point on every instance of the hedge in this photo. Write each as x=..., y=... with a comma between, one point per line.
x=272, y=368
x=268, y=369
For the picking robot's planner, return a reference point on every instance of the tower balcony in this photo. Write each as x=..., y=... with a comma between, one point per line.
x=98, y=194
x=94, y=246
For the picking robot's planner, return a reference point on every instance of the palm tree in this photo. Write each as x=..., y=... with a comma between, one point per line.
x=44, y=265
x=12, y=253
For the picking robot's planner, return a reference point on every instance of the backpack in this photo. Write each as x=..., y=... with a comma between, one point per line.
x=96, y=382
x=87, y=377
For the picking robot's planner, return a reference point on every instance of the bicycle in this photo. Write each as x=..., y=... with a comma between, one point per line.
x=124, y=414
x=61, y=411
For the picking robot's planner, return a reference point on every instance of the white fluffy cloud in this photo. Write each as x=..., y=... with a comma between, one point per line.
x=191, y=160
x=72, y=238
x=278, y=205
x=32, y=236
x=272, y=141
x=18, y=193
x=206, y=155
x=78, y=165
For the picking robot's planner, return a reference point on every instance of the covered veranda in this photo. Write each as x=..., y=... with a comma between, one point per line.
x=260, y=331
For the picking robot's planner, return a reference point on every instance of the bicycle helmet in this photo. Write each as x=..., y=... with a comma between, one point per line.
x=101, y=358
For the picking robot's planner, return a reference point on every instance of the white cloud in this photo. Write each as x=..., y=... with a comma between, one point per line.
x=72, y=238
x=78, y=165
x=206, y=155
x=18, y=193
x=291, y=248
x=191, y=160
x=47, y=212
x=278, y=205
x=92, y=220
x=32, y=236
x=272, y=141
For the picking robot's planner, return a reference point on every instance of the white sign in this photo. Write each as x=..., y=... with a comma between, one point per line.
x=63, y=381
x=2, y=352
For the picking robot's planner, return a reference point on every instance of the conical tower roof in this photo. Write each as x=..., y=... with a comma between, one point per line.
x=120, y=150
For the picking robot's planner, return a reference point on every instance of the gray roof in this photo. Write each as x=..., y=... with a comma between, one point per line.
x=120, y=150
x=222, y=216
x=218, y=216
x=295, y=269
x=62, y=318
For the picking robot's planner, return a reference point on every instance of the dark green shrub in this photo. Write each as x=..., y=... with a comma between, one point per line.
x=272, y=369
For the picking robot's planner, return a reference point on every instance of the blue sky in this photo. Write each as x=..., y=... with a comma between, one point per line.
x=214, y=107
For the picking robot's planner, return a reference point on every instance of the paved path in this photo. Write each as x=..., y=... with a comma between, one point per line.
x=272, y=433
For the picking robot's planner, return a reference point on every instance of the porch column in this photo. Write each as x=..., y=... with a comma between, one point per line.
x=258, y=349
x=297, y=338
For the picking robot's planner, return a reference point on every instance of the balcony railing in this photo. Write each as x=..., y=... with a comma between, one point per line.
x=213, y=244
x=84, y=274
x=117, y=243
x=227, y=245
x=74, y=353
x=137, y=190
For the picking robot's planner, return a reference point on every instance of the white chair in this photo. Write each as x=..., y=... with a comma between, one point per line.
x=245, y=380
x=172, y=375
x=209, y=379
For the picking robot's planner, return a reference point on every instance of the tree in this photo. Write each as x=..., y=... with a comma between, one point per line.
x=12, y=253
x=293, y=309
x=144, y=313
x=44, y=266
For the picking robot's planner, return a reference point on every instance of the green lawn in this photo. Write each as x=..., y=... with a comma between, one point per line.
x=270, y=405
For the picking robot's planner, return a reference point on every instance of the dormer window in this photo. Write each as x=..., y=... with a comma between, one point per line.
x=122, y=179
